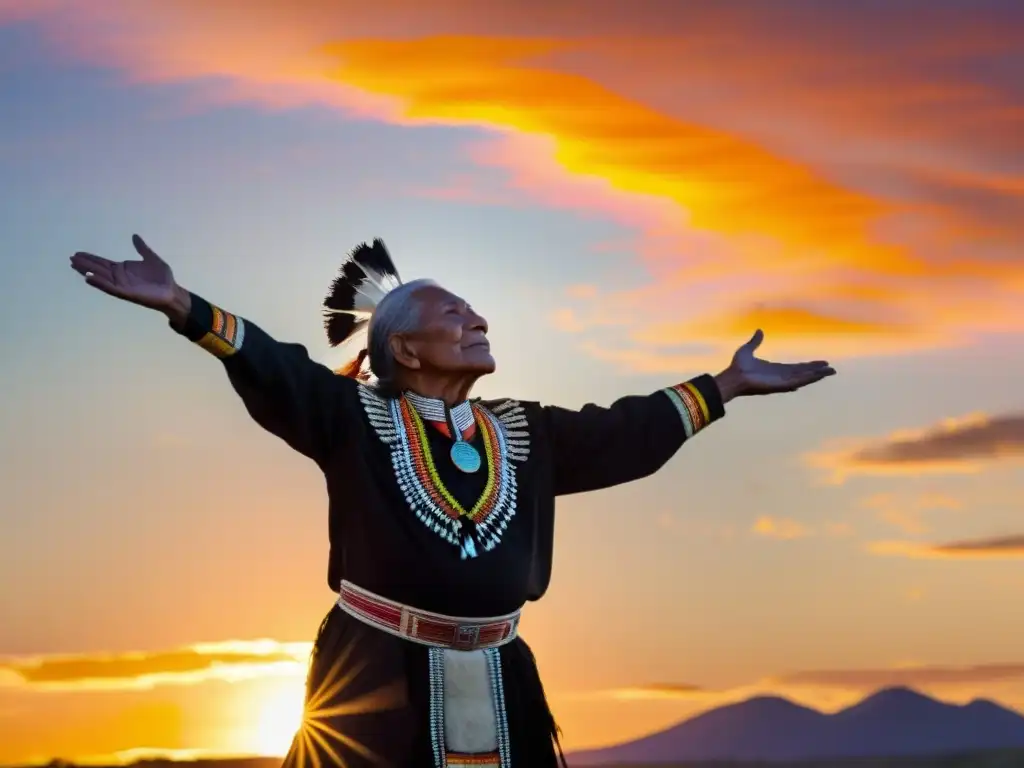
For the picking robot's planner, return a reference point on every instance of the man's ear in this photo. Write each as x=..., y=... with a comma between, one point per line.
x=404, y=352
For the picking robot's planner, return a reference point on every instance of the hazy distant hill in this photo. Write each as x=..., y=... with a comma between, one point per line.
x=894, y=728
x=893, y=722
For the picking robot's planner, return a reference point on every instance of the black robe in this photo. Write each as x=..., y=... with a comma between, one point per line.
x=367, y=691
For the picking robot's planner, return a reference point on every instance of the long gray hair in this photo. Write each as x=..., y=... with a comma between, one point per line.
x=398, y=312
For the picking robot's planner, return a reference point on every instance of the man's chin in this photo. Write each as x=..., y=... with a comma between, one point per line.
x=482, y=363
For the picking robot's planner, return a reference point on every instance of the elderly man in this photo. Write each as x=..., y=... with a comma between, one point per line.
x=441, y=510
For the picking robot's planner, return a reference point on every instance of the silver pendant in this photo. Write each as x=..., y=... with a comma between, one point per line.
x=465, y=457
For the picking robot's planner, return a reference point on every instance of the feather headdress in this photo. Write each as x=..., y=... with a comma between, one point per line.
x=367, y=275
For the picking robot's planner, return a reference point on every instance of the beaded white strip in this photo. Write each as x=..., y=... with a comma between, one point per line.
x=434, y=410
x=684, y=415
x=512, y=416
x=692, y=411
x=435, y=657
x=377, y=413
x=501, y=716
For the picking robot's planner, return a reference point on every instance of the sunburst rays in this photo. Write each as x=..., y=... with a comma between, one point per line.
x=321, y=736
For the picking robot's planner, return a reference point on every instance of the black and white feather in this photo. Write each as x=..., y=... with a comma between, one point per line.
x=366, y=277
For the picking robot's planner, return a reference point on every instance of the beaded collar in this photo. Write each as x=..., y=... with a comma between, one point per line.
x=431, y=409
x=399, y=424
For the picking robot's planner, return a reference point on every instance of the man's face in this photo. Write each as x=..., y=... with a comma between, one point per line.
x=451, y=337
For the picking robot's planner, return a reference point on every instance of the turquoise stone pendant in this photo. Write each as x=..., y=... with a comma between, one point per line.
x=465, y=456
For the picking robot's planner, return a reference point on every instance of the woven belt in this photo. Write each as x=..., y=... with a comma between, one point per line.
x=434, y=629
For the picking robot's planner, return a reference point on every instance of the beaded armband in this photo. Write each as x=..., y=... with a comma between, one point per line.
x=218, y=332
x=691, y=405
x=226, y=335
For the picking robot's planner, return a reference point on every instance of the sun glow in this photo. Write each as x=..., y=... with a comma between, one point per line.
x=277, y=722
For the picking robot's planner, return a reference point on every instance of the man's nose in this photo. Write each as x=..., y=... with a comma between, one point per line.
x=478, y=322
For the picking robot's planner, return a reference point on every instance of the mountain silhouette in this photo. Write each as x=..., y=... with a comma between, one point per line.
x=893, y=722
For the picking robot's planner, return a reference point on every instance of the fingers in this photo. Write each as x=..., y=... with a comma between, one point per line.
x=789, y=369
x=104, y=284
x=792, y=379
x=87, y=263
x=755, y=340
x=805, y=378
x=817, y=365
x=147, y=253
x=98, y=272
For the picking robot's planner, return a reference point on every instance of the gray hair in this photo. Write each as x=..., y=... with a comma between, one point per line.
x=397, y=312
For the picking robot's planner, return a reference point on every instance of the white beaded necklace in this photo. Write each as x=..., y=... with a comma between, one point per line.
x=432, y=409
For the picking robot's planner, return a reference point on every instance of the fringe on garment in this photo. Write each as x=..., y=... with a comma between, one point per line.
x=536, y=737
x=530, y=717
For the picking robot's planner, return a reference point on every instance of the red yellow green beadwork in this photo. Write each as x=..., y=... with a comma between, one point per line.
x=505, y=442
x=426, y=469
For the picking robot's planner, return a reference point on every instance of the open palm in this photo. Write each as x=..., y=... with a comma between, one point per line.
x=149, y=282
x=762, y=377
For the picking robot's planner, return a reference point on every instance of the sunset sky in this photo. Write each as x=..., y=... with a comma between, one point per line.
x=626, y=190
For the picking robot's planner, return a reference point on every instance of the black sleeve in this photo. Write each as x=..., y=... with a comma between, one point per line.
x=288, y=394
x=596, y=447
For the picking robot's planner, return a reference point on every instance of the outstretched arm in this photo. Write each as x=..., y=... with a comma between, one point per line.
x=595, y=447
x=286, y=392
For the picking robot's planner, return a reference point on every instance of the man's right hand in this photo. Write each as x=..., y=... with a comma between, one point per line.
x=148, y=283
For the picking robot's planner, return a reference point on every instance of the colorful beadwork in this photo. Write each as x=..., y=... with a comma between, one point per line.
x=426, y=470
x=426, y=628
x=490, y=760
x=463, y=455
x=692, y=408
x=226, y=334
x=505, y=441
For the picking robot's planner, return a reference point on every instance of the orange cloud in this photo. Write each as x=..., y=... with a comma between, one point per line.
x=779, y=528
x=964, y=444
x=598, y=133
x=789, y=330
x=907, y=514
x=96, y=733
x=999, y=547
x=787, y=529
x=225, y=661
x=908, y=521
x=870, y=208
x=786, y=320
x=915, y=676
x=652, y=692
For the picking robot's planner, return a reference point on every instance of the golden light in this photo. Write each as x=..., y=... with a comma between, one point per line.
x=278, y=721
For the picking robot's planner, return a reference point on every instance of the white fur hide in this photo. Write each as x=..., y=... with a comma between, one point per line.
x=470, y=722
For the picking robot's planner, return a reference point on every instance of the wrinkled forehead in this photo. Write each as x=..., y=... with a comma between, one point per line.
x=435, y=299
